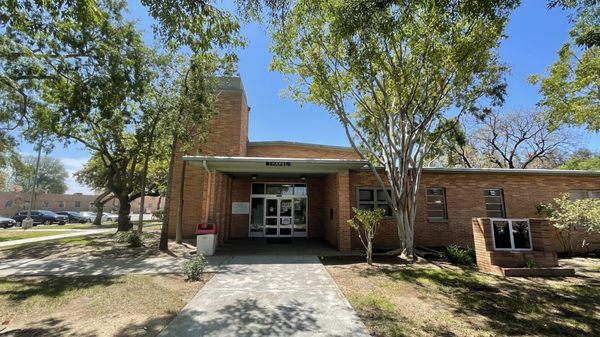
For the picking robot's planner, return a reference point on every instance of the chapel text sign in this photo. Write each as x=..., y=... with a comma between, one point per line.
x=278, y=163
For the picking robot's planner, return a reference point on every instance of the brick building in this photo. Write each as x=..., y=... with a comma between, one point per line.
x=13, y=202
x=287, y=189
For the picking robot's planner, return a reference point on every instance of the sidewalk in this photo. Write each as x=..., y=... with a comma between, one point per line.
x=76, y=232
x=100, y=266
x=268, y=296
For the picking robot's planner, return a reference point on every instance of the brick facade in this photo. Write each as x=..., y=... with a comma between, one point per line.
x=208, y=194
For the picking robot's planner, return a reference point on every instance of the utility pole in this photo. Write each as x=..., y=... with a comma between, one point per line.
x=29, y=221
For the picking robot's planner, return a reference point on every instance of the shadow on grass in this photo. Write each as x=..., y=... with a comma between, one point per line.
x=150, y=327
x=21, y=289
x=50, y=327
x=512, y=306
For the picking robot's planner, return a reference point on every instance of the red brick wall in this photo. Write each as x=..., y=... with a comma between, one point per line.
x=13, y=202
x=331, y=203
x=297, y=151
x=228, y=134
x=489, y=260
x=464, y=197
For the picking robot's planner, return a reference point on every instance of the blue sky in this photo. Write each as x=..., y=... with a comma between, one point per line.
x=534, y=35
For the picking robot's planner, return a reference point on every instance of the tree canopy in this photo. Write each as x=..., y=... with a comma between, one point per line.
x=514, y=139
x=52, y=175
x=398, y=75
x=571, y=88
x=583, y=159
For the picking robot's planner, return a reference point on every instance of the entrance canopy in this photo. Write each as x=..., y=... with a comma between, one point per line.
x=262, y=165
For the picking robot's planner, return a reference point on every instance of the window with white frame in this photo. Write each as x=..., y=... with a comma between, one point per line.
x=77, y=204
x=8, y=204
x=45, y=204
x=371, y=198
x=61, y=204
x=494, y=203
x=436, y=204
x=511, y=234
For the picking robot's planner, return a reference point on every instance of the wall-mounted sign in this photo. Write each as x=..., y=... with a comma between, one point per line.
x=240, y=207
x=278, y=163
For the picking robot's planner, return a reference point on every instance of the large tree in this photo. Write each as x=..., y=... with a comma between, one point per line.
x=398, y=75
x=571, y=89
x=208, y=36
x=51, y=178
x=583, y=159
x=83, y=75
x=515, y=139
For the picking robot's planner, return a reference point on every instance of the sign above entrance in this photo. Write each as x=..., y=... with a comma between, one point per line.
x=278, y=163
x=240, y=208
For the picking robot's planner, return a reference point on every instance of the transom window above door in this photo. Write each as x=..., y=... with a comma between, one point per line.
x=278, y=189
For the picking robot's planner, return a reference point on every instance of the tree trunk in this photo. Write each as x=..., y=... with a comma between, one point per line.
x=159, y=202
x=370, y=252
x=143, y=195
x=124, y=213
x=179, y=228
x=99, y=205
x=164, y=233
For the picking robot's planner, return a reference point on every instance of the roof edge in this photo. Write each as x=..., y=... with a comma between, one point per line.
x=511, y=171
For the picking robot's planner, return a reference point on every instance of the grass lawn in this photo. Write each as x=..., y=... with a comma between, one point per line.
x=9, y=235
x=397, y=299
x=98, y=245
x=92, y=306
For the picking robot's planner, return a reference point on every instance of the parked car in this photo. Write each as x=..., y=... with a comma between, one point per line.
x=41, y=217
x=89, y=216
x=74, y=217
x=110, y=217
x=6, y=222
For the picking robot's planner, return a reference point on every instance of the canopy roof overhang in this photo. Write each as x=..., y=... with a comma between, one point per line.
x=309, y=166
x=274, y=166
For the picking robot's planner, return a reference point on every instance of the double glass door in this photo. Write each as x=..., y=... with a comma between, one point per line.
x=272, y=216
x=278, y=217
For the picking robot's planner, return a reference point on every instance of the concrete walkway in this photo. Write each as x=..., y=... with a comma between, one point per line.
x=268, y=296
x=75, y=232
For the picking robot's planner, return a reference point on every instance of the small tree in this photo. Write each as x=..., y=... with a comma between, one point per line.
x=567, y=215
x=366, y=222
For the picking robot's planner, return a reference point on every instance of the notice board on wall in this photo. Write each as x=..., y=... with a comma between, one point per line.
x=240, y=208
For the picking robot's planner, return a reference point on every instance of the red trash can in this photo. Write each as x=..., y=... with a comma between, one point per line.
x=207, y=237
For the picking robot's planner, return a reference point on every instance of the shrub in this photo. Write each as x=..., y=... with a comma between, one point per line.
x=532, y=264
x=134, y=239
x=158, y=214
x=194, y=268
x=366, y=222
x=459, y=255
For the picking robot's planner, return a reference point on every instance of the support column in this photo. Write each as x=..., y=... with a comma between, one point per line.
x=344, y=211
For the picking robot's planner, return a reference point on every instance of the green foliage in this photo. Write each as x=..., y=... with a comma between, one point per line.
x=391, y=72
x=583, y=160
x=132, y=238
x=531, y=264
x=570, y=88
x=568, y=216
x=459, y=255
x=159, y=214
x=51, y=175
x=366, y=222
x=194, y=268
